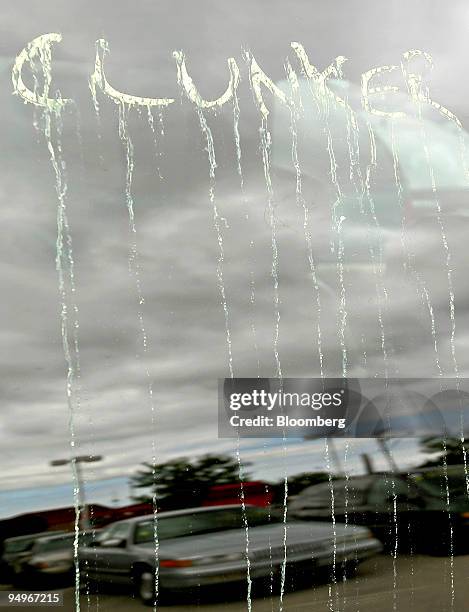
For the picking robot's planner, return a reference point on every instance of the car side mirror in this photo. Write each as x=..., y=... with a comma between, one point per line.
x=113, y=543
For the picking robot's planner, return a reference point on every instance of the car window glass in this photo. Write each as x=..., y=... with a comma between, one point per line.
x=116, y=531
x=203, y=522
x=54, y=544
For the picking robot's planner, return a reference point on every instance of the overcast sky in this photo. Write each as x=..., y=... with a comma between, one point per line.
x=389, y=326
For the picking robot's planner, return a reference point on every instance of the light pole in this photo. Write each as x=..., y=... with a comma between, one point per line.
x=76, y=463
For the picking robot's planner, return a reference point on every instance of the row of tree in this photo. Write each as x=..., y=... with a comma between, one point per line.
x=183, y=482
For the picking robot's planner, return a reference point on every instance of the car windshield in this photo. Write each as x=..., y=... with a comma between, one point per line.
x=115, y=531
x=14, y=546
x=203, y=522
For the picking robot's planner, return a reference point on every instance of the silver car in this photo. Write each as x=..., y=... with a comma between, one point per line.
x=54, y=555
x=18, y=550
x=207, y=546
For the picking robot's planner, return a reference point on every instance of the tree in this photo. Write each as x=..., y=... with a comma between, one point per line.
x=181, y=482
x=450, y=451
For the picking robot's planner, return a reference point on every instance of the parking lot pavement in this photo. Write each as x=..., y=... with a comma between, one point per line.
x=421, y=584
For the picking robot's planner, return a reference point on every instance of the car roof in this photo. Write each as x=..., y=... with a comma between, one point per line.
x=362, y=480
x=33, y=536
x=169, y=513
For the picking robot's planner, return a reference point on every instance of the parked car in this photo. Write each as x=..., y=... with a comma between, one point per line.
x=207, y=546
x=426, y=509
x=17, y=551
x=54, y=555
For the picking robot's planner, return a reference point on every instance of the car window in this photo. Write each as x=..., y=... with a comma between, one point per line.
x=116, y=531
x=55, y=544
x=203, y=523
x=18, y=545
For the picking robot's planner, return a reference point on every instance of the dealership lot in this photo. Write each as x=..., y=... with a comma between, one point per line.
x=421, y=583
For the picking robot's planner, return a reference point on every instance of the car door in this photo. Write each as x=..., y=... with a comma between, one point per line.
x=112, y=559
